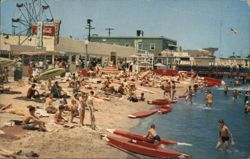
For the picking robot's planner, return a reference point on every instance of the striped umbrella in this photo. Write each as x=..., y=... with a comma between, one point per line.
x=51, y=73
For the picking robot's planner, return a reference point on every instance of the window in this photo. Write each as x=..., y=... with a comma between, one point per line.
x=152, y=46
x=139, y=45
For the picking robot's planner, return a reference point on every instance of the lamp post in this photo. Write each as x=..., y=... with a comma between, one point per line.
x=86, y=55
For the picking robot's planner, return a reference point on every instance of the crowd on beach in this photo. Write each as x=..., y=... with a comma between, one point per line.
x=68, y=97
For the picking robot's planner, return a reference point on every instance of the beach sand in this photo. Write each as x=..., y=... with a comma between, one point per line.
x=77, y=142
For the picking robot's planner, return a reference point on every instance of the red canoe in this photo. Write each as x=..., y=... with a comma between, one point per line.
x=162, y=101
x=139, y=137
x=164, y=109
x=212, y=81
x=142, y=114
x=143, y=148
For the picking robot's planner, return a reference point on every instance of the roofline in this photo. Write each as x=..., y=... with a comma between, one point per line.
x=132, y=37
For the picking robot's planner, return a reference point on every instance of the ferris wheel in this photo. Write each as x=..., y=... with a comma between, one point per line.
x=30, y=13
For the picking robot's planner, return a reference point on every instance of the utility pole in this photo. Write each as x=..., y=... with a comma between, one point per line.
x=109, y=30
x=89, y=27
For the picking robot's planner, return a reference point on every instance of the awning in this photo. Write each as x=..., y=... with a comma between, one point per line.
x=160, y=65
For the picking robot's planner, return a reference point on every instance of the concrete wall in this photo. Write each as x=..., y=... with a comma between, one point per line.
x=48, y=42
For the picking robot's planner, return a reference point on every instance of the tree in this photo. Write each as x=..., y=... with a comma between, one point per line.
x=248, y=56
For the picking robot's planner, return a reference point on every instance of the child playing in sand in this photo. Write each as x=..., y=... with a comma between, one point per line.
x=49, y=104
x=142, y=98
x=58, y=116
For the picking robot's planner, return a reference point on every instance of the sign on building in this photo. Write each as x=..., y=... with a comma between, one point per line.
x=48, y=29
x=39, y=35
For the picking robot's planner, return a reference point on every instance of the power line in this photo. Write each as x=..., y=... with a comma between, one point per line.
x=109, y=30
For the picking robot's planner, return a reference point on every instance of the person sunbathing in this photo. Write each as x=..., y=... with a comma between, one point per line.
x=31, y=121
x=58, y=116
x=49, y=104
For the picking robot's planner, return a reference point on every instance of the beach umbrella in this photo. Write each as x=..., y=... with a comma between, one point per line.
x=159, y=65
x=51, y=73
x=6, y=62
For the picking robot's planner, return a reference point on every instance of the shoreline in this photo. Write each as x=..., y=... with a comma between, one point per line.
x=77, y=142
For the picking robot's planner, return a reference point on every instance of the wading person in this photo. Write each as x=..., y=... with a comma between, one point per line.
x=225, y=90
x=225, y=136
x=209, y=99
x=189, y=93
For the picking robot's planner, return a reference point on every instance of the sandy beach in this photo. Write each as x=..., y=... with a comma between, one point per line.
x=77, y=142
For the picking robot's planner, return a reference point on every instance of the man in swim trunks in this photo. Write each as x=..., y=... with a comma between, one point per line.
x=30, y=120
x=209, y=99
x=152, y=136
x=32, y=92
x=224, y=135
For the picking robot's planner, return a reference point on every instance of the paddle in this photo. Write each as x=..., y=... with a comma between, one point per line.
x=183, y=144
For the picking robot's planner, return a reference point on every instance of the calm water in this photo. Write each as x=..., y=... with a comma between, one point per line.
x=192, y=124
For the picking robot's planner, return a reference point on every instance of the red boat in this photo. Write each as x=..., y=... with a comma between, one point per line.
x=139, y=137
x=164, y=109
x=142, y=114
x=212, y=81
x=143, y=148
x=162, y=101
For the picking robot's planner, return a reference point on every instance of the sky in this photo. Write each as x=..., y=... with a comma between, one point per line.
x=195, y=24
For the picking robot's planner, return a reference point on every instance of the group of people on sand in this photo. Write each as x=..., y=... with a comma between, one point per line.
x=79, y=103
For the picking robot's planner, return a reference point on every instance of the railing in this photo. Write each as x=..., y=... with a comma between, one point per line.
x=217, y=70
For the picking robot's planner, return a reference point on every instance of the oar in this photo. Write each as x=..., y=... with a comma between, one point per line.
x=183, y=144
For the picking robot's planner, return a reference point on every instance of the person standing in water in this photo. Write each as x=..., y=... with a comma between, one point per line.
x=225, y=136
x=189, y=94
x=209, y=99
x=225, y=90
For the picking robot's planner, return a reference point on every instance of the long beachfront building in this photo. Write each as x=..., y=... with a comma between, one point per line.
x=72, y=49
x=144, y=45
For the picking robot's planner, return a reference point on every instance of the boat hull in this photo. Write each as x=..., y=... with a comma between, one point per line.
x=142, y=114
x=143, y=148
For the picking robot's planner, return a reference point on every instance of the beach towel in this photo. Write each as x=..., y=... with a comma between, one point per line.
x=9, y=92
